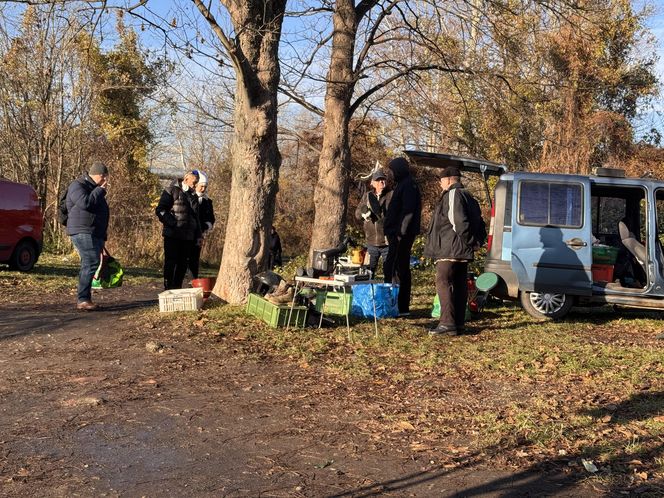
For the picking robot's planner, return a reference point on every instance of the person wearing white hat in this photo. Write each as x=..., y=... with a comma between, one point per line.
x=207, y=219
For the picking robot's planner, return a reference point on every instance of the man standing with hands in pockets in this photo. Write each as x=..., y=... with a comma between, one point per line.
x=87, y=225
x=451, y=242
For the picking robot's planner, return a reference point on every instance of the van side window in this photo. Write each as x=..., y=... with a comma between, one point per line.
x=551, y=204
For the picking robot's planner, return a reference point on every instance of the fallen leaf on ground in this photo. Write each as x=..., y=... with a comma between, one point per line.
x=589, y=465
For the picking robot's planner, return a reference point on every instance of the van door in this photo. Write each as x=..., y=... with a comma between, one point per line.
x=552, y=233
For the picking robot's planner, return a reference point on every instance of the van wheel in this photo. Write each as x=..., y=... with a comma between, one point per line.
x=546, y=305
x=24, y=256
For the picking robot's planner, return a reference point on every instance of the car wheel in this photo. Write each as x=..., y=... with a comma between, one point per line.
x=24, y=256
x=546, y=305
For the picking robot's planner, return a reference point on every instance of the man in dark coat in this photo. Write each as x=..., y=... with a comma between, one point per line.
x=372, y=209
x=451, y=245
x=178, y=212
x=275, y=249
x=87, y=225
x=401, y=226
x=206, y=218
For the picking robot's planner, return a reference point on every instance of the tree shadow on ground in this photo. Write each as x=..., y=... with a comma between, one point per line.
x=617, y=475
x=46, y=270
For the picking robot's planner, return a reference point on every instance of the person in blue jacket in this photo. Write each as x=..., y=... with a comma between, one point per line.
x=87, y=225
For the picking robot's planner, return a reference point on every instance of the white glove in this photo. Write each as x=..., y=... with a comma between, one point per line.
x=366, y=215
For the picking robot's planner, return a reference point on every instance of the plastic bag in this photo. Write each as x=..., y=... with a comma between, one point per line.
x=109, y=274
x=435, y=311
x=384, y=296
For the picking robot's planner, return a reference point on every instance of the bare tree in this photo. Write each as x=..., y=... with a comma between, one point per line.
x=255, y=158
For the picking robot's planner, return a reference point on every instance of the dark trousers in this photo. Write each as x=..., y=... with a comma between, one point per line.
x=375, y=253
x=397, y=268
x=176, y=255
x=452, y=289
x=195, y=260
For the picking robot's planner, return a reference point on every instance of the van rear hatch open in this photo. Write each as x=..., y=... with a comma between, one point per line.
x=465, y=164
x=468, y=164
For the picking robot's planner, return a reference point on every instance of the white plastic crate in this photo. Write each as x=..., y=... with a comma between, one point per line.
x=181, y=299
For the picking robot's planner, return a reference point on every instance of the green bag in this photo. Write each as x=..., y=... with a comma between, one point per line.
x=435, y=311
x=109, y=274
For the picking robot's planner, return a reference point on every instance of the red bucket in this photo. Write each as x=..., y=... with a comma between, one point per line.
x=207, y=284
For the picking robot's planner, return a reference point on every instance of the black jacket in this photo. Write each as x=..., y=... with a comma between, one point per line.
x=87, y=208
x=449, y=235
x=373, y=227
x=404, y=213
x=205, y=212
x=178, y=212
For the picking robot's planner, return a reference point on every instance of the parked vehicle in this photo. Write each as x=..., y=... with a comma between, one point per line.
x=559, y=240
x=21, y=223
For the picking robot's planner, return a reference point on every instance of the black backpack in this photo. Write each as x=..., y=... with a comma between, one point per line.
x=477, y=225
x=63, y=214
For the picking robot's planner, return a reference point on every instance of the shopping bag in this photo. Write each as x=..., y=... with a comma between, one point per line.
x=384, y=296
x=435, y=311
x=109, y=273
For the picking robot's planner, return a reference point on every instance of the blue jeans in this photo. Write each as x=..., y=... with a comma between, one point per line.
x=375, y=252
x=89, y=249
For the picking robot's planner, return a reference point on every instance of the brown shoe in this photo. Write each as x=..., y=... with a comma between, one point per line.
x=87, y=306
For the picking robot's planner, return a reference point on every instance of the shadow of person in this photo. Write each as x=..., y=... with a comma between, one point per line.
x=559, y=268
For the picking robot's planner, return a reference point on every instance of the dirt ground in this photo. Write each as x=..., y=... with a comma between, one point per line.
x=110, y=404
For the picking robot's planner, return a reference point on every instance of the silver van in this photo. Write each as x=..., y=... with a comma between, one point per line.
x=559, y=240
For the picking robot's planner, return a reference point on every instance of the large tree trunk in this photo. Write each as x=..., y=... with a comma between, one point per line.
x=255, y=155
x=331, y=193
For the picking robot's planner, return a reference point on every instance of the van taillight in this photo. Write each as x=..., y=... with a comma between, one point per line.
x=489, y=239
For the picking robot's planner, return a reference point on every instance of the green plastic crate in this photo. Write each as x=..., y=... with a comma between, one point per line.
x=605, y=255
x=275, y=315
x=335, y=303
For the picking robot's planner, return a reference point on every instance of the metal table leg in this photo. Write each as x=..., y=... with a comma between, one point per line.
x=292, y=306
x=373, y=300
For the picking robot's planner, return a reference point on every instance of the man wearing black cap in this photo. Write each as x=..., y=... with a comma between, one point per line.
x=87, y=225
x=371, y=210
x=450, y=243
x=402, y=225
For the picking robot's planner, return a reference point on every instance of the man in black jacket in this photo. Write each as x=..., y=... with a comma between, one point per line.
x=451, y=245
x=87, y=225
x=178, y=212
x=372, y=209
x=401, y=226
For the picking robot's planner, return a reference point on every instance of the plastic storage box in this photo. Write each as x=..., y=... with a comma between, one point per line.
x=181, y=300
x=333, y=303
x=602, y=273
x=604, y=255
x=275, y=315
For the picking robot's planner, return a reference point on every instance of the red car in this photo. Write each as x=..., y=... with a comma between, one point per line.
x=21, y=223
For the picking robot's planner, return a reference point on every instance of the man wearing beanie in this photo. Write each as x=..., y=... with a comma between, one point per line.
x=178, y=212
x=206, y=218
x=87, y=225
x=401, y=226
x=371, y=210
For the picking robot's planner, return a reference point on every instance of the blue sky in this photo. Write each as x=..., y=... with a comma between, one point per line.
x=656, y=25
